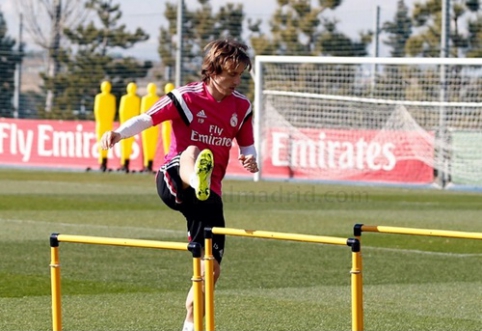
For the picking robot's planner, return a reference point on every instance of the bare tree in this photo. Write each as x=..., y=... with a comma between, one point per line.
x=45, y=21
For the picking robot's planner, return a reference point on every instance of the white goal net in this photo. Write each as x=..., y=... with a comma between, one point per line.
x=386, y=120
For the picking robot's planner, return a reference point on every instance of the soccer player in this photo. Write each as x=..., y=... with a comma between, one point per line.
x=206, y=116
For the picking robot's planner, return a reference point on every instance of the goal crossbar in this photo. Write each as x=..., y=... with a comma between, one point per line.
x=369, y=119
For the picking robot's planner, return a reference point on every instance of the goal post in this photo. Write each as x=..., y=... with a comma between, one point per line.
x=409, y=121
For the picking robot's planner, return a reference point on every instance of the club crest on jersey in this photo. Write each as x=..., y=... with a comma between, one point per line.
x=234, y=120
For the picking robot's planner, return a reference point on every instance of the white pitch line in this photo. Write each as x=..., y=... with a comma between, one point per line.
x=398, y=250
x=160, y=230
x=416, y=251
x=93, y=226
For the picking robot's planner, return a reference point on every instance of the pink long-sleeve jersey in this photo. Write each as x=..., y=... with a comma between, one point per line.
x=199, y=120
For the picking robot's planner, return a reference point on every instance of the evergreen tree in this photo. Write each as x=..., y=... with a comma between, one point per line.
x=298, y=28
x=427, y=17
x=91, y=60
x=167, y=49
x=463, y=41
x=399, y=30
x=200, y=26
x=9, y=58
x=335, y=43
x=474, y=27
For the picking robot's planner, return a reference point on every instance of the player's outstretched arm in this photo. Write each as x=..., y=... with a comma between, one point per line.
x=247, y=157
x=109, y=139
x=130, y=128
x=249, y=162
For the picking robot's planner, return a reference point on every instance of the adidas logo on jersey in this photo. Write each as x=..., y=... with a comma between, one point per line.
x=201, y=114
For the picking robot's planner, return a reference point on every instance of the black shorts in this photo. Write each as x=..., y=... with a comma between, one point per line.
x=198, y=214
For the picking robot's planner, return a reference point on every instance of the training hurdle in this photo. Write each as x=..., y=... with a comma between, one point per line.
x=356, y=269
x=359, y=228
x=56, y=238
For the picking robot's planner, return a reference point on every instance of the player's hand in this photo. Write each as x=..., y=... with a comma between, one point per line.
x=109, y=139
x=249, y=162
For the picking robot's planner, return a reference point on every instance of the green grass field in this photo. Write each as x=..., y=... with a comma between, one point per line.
x=410, y=282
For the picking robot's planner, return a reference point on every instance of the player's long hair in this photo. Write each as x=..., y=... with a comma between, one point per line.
x=222, y=53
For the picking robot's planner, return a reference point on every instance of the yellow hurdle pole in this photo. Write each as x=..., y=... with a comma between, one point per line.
x=421, y=232
x=123, y=242
x=356, y=278
x=55, y=283
x=280, y=236
x=356, y=286
x=197, y=285
x=55, y=266
x=209, y=278
x=357, y=232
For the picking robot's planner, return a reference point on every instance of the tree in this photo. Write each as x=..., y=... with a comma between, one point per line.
x=335, y=43
x=474, y=27
x=399, y=30
x=298, y=28
x=200, y=26
x=428, y=18
x=88, y=61
x=9, y=58
x=166, y=47
x=50, y=37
